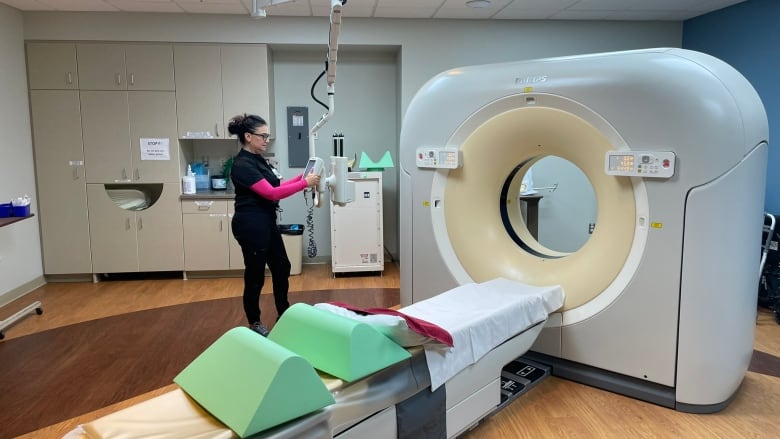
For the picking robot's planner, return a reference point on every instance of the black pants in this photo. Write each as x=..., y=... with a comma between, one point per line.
x=255, y=259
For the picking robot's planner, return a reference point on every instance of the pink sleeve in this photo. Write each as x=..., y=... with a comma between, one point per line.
x=265, y=190
x=292, y=180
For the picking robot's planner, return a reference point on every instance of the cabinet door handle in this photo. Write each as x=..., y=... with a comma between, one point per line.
x=220, y=225
x=137, y=174
x=140, y=223
x=216, y=129
x=204, y=205
x=75, y=173
x=124, y=173
x=127, y=223
x=118, y=79
x=132, y=79
x=69, y=78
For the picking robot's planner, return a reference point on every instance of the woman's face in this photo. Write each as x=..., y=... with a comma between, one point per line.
x=257, y=140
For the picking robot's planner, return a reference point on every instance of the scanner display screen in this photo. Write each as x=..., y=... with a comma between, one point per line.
x=309, y=167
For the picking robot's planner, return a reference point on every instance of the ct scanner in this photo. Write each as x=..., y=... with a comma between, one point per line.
x=661, y=300
x=659, y=303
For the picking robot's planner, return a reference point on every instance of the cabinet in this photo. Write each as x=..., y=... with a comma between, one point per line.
x=62, y=193
x=356, y=228
x=216, y=82
x=52, y=66
x=128, y=237
x=236, y=256
x=114, y=124
x=206, y=234
x=105, y=66
x=208, y=238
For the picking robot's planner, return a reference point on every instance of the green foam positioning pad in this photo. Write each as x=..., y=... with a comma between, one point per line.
x=251, y=384
x=342, y=347
x=385, y=162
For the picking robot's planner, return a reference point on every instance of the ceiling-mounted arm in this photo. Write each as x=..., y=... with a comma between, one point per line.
x=333, y=48
x=333, y=38
x=341, y=190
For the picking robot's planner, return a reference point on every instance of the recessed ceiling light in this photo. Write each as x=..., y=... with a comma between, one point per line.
x=477, y=4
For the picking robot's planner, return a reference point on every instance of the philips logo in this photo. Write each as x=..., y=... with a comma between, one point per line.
x=530, y=80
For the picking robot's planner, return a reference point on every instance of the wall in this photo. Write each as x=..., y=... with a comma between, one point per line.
x=745, y=35
x=365, y=112
x=20, y=255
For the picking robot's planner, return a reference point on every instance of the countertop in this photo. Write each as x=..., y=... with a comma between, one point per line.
x=207, y=194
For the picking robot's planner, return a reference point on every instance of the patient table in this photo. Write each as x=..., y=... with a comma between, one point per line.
x=491, y=324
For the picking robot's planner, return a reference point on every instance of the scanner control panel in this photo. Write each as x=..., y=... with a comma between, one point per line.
x=658, y=164
x=439, y=157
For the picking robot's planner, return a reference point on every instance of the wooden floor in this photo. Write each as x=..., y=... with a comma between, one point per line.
x=554, y=409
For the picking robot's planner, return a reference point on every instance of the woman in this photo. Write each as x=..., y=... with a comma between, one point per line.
x=258, y=191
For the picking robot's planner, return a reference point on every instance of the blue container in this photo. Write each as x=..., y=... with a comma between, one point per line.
x=5, y=210
x=20, y=211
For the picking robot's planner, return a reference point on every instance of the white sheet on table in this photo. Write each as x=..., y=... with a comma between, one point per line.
x=481, y=316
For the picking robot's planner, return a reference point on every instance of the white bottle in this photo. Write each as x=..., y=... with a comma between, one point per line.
x=188, y=182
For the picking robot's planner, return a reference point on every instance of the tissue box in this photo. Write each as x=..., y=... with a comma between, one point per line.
x=21, y=210
x=5, y=210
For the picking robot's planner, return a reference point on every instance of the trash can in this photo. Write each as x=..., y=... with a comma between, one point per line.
x=292, y=235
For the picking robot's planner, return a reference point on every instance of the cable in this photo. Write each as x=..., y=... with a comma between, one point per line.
x=315, y=84
x=311, y=250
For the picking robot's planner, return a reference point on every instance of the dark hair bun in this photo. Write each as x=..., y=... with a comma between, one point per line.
x=236, y=124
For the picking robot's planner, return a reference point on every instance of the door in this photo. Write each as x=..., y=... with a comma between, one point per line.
x=62, y=192
x=113, y=232
x=101, y=66
x=105, y=117
x=149, y=67
x=52, y=66
x=159, y=227
x=205, y=241
x=198, y=90
x=153, y=118
x=246, y=85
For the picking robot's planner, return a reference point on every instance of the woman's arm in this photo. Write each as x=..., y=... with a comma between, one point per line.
x=292, y=180
x=265, y=190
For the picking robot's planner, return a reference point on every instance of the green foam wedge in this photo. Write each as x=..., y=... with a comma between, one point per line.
x=251, y=384
x=337, y=345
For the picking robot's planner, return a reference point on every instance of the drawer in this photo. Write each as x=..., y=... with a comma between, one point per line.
x=204, y=206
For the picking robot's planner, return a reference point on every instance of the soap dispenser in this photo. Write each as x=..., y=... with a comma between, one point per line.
x=188, y=182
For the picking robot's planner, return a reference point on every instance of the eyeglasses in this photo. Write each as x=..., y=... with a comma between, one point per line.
x=263, y=136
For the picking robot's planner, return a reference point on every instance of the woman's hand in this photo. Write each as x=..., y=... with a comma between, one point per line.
x=312, y=179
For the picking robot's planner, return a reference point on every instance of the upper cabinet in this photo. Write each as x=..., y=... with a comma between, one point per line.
x=106, y=66
x=247, y=78
x=118, y=128
x=216, y=82
x=52, y=66
x=198, y=91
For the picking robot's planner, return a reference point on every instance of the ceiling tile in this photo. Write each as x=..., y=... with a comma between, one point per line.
x=416, y=4
x=298, y=8
x=79, y=5
x=213, y=8
x=393, y=12
x=146, y=6
x=26, y=5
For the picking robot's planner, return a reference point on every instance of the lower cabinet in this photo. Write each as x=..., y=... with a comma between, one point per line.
x=236, y=257
x=208, y=237
x=135, y=227
x=208, y=240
